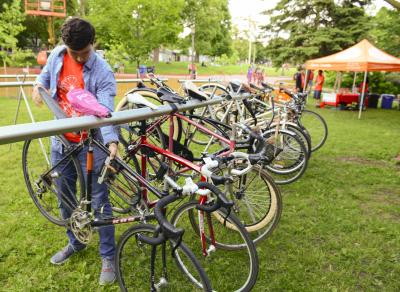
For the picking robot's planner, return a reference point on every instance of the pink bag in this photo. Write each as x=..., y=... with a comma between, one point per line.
x=86, y=103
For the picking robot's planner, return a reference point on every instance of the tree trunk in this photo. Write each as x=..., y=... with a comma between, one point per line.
x=394, y=3
x=156, y=55
x=197, y=57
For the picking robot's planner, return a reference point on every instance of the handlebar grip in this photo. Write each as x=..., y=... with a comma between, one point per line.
x=170, y=230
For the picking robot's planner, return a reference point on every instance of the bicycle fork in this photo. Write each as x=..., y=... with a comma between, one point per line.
x=201, y=213
x=164, y=278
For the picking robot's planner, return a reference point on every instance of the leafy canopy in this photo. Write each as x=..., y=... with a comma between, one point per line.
x=303, y=29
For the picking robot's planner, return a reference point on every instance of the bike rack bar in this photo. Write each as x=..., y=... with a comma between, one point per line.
x=21, y=132
x=200, y=80
x=31, y=83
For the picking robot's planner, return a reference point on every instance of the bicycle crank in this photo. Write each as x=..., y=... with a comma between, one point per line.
x=81, y=227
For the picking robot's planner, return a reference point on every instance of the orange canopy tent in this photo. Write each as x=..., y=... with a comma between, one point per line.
x=362, y=57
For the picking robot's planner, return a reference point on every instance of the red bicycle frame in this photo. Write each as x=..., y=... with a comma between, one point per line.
x=142, y=142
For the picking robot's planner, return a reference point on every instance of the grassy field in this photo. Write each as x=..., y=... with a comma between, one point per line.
x=339, y=229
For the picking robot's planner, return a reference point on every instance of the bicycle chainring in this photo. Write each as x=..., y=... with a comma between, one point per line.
x=80, y=223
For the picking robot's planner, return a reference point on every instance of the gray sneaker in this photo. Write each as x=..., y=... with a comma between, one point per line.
x=63, y=255
x=107, y=275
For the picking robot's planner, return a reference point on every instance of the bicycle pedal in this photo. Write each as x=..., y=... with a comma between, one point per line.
x=162, y=283
x=211, y=249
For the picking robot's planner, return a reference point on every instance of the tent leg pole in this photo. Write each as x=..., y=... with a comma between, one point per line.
x=305, y=81
x=362, y=95
x=354, y=83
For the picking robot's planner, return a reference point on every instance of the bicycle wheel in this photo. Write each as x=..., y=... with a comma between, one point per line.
x=124, y=190
x=51, y=187
x=133, y=263
x=257, y=202
x=316, y=128
x=227, y=246
x=301, y=133
x=216, y=111
x=197, y=136
x=289, y=154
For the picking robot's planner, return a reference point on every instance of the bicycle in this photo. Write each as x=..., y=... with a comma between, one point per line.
x=82, y=223
x=248, y=183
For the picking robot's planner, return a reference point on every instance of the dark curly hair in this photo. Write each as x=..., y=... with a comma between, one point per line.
x=77, y=33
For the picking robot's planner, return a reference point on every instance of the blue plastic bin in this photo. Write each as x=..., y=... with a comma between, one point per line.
x=387, y=101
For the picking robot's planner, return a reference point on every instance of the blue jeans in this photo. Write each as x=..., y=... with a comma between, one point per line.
x=100, y=201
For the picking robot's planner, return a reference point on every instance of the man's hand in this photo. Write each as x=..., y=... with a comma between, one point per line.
x=37, y=99
x=113, y=148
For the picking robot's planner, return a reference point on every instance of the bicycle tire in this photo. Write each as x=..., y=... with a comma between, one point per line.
x=290, y=164
x=43, y=181
x=264, y=195
x=318, y=136
x=124, y=276
x=225, y=276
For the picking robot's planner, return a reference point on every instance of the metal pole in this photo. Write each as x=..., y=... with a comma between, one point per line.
x=362, y=94
x=193, y=44
x=21, y=132
x=32, y=119
x=354, y=82
x=305, y=81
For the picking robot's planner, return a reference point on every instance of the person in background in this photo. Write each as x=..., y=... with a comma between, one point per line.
x=310, y=78
x=319, y=83
x=122, y=68
x=193, y=71
x=249, y=74
x=261, y=77
x=75, y=65
x=255, y=75
x=299, y=79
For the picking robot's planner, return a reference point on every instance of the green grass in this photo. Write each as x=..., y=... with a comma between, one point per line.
x=339, y=229
x=182, y=68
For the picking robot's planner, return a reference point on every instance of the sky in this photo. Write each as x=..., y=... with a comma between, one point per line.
x=242, y=10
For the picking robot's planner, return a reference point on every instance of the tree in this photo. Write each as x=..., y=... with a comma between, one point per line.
x=135, y=28
x=211, y=21
x=11, y=20
x=304, y=29
x=386, y=31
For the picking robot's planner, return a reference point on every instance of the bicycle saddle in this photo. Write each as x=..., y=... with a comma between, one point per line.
x=136, y=98
x=267, y=86
x=166, y=95
x=86, y=103
x=193, y=91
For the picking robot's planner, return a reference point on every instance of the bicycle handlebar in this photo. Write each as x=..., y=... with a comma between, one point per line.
x=168, y=230
x=222, y=200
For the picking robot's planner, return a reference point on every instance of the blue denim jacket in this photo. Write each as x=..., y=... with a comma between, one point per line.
x=97, y=76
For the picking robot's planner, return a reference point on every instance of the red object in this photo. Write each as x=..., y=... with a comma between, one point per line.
x=56, y=8
x=320, y=82
x=71, y=77
x=42, y=58
x=348, y=98
x=345, y=98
